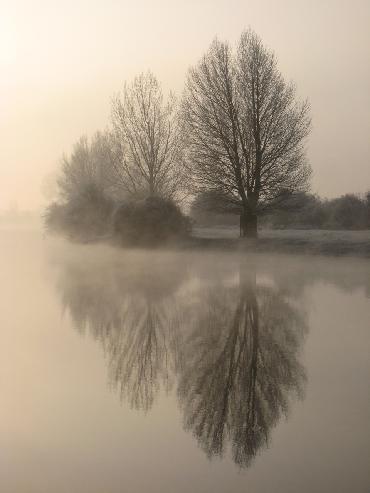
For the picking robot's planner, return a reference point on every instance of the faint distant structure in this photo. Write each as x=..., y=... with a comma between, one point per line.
x=245, y=130
x=13, y=210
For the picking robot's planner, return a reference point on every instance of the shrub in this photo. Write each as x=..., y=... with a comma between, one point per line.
x=84, y=217
x=348, y=212
x=150, y=222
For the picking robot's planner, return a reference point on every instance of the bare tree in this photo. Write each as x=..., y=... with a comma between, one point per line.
x=245, y=131
x=83, y=191
x=87, y=168
x=148, y=158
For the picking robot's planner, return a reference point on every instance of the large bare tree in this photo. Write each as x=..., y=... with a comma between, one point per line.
x=245, y=129
x=148, y=158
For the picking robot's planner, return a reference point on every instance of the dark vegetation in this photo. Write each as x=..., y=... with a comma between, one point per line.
x=245, y=129
x=300, y=211
x=349, y=212
x=151, y=221
x=148, y=222
x=125, y=184
x=233, y=147
x=84, y=218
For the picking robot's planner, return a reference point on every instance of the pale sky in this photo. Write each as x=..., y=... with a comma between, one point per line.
x=61, y=61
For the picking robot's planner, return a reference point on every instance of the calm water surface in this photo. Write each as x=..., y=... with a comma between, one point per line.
x=181, y=372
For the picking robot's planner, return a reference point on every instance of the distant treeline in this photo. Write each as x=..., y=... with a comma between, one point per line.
x=300, y=211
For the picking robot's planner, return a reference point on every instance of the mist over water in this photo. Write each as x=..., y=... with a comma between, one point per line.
x=184, y=246
x=164, y=370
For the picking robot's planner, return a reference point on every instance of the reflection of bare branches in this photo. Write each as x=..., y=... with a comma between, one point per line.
x=141, y=357
x=236, y=369
x=136, y=320
x=241, y=366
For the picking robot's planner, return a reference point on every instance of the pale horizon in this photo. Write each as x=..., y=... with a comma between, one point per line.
x=62, y=63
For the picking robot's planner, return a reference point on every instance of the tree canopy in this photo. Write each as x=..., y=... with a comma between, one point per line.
x=245, y=128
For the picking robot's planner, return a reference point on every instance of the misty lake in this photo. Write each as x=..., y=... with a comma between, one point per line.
x=164, y=371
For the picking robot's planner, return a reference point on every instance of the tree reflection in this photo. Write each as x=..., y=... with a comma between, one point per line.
x=135, y=315
x=231, y=347
x=240, y=368
x=144, y=354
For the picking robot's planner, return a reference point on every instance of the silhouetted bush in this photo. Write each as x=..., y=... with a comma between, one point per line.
x=306, y=211
x=212, y=208
x=347, y=212
x=151, y=221
x=85, y=217
x=299, y=211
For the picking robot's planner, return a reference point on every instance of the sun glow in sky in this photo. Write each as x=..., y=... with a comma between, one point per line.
x=61, y=62
x=8, y=43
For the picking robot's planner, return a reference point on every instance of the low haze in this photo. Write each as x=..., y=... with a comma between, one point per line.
x=61, y=62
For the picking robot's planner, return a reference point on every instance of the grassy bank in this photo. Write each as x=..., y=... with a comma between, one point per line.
x=320, y=242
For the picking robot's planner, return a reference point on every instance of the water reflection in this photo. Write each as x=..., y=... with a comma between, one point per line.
x=230, y=347
x=144, y=353
x=132, y=309
x=241, y=367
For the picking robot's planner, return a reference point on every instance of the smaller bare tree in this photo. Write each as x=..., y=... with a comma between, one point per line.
x=89, y=167
x=148, y=146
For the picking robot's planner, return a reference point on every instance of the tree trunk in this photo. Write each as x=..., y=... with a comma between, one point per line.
x=248, y=225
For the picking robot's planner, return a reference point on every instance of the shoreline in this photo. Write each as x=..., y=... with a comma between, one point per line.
x=286, y=245
x=291, y=242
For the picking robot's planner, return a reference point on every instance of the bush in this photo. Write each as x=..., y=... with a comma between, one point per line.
x=84, y=217
x=150, y=222
x=349, y=212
